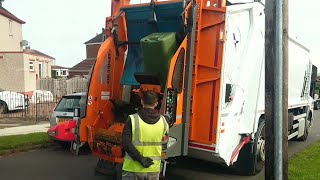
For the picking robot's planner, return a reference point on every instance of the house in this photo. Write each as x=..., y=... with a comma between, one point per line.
x=59, y=71
x=20, y=65
x=92, y=47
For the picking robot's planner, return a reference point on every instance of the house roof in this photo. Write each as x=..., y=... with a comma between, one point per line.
x=58, y=67
x=36, y=53
x=98, y=39
x=9, y=15
x=83, y=66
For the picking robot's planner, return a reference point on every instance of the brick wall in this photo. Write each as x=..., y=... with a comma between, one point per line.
x=92, y=50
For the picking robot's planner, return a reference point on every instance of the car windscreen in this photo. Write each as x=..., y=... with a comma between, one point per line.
x=68, y=103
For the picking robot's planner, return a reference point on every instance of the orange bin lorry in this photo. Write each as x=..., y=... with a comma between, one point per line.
x=205, y=60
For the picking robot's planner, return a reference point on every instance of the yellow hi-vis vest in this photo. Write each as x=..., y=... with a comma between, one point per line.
x=147, y=138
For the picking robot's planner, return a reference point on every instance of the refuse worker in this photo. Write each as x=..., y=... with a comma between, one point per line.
x=141, y=139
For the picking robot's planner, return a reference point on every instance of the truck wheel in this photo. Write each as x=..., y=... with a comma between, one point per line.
x=260, y=154
x=306, y=130
x=252, y=156
x=3, y=107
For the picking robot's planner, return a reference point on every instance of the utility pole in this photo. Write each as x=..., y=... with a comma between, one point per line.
x=276, y=89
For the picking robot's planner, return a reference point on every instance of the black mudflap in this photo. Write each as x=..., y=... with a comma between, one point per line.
x=245, y=164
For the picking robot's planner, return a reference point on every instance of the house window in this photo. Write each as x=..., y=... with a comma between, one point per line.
x=64, y=73
x=31, y=65
x=104, y=37
x=57, y=73
x=40, y=70
x=10, y=28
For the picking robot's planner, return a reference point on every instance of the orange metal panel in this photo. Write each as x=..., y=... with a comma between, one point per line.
x=208, y=63
x=96, y=106
x=99, y=112
x=169, y=84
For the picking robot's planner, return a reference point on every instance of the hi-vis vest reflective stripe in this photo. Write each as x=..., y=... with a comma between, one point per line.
x=147, y=138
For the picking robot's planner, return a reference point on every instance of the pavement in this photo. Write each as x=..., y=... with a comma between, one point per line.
x=40, y=127
x=7, y=122
x=57, y=163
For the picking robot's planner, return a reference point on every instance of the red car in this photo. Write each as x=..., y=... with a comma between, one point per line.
x=62, y=123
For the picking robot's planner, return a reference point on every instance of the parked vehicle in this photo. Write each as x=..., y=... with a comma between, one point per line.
x=208, y=72
x=62, y=123
x=40, y=96
x=11, y=101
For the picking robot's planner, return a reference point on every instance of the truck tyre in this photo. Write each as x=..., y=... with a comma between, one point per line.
x=3, y=107
x=306, y=130
x=252, y=156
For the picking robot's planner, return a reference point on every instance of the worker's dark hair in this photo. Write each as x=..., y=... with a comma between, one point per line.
x=149, y=98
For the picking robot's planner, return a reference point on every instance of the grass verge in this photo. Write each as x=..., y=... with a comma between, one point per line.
x=306, y=164
x=19, y=143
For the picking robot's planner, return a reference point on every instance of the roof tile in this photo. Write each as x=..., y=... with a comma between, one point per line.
x=9, y=15
x=98, y=39
x=35, y=52
x=84, y=65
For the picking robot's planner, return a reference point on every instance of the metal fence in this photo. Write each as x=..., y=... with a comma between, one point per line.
x=38, y=107
x=63, y=86
x=40, y=104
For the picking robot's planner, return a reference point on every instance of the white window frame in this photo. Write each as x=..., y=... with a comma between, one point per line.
x=31, y=64
x=10, y=28
x=63, y=72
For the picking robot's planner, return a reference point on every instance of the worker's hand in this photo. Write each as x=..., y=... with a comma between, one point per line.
x=146, y=162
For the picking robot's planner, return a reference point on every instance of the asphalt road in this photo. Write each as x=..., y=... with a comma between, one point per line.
x=58, y=164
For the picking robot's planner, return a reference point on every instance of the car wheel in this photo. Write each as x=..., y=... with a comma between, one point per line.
x=3, y=107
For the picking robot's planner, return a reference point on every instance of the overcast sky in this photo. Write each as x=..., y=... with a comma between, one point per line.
x=60, y=27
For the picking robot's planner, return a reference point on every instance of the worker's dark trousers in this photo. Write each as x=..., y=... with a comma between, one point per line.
x=140, y=176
